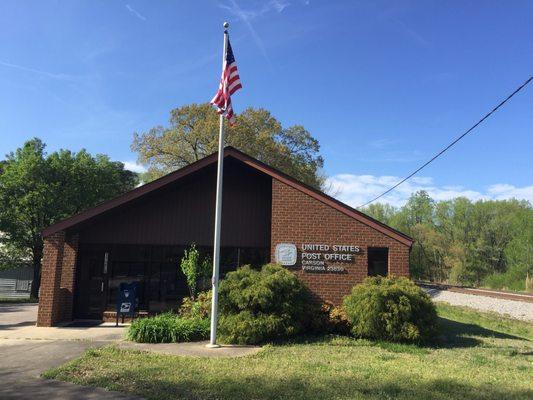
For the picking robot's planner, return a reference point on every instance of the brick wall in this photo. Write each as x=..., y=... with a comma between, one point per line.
x=49, y=299
x=57, y=279
x=299, y=218
x=68, y=277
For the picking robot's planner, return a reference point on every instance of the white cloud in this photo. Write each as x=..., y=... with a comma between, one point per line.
x=356, y=190
x=383, y=142
x=248, y=15
x=263, y=7
x=505, y=191
x=389, y=152
x=279, y=5
x=135, y=12
x=134, y=166
x=58, y=76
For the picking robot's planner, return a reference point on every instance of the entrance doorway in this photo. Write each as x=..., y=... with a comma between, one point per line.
x=378, y=261
x=91, y=283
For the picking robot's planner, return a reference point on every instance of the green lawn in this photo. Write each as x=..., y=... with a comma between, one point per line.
x=479, y=356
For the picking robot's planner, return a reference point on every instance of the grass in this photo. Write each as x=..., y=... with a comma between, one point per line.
x=479, y=356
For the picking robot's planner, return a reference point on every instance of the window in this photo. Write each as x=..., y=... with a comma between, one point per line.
x=157, y=269
x=378, y=261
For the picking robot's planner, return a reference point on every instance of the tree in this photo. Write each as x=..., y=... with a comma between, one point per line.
x=194, y=269
x=193, y=134
x=37, y=190
x=383, y=212
x=10, y=256
x=482, y=243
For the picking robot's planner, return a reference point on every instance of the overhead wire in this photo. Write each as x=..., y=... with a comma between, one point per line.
x=523, y=85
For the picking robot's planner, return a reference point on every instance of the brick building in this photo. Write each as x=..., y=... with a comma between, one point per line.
x=267, y=216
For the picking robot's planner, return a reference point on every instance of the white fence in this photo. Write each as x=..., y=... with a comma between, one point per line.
x=15, y=283
x=14, y=289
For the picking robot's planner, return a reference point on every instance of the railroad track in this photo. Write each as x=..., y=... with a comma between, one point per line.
x=498, y=294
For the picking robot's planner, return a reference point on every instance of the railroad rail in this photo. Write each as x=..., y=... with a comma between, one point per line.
x=498, y=294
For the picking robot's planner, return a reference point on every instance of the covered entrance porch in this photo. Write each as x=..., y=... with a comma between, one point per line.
x=102, y=268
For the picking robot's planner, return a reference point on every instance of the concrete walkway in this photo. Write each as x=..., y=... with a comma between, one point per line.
x=26, y=351
x=16, y=316
x=96, y=333
x=24, y=360
x=17, y=321
x=191, y=349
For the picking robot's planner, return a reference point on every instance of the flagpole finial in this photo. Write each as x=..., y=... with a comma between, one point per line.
x=226, y=25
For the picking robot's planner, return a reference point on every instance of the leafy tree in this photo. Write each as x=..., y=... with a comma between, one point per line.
x=414, y=218
x=194, y=269
x=11, y=256
x=193, y=134
x=37, y=190
x=459, y=241
x=383, y=212
x=419, y=209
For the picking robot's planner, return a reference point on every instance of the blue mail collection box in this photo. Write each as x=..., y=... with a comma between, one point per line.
x=127, y=300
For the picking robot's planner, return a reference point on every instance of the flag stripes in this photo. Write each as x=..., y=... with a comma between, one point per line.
x=230, y=82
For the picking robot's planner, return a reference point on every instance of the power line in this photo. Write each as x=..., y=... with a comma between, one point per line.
x=451, y=144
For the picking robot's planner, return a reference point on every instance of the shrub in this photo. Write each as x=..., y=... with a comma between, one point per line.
x=334, y=320
x=393, y=309
x=258, y=306
x=516, y=278
x=330, y=319
x=199, y=308
x=168, y=328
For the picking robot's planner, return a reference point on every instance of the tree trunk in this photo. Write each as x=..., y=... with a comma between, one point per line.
x=36, y=262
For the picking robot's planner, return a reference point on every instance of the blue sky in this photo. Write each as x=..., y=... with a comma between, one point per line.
x=382, y=85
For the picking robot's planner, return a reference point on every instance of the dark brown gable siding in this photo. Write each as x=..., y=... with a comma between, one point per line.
x=183, y=173
x=183, y=212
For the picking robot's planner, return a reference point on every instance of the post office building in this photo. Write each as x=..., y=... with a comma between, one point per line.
x=267, y=216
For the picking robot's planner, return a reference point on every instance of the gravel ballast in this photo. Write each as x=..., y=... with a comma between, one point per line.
x=514, y=309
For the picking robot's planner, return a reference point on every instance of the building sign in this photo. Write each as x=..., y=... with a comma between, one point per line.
x=286, y=254
x=316, y=257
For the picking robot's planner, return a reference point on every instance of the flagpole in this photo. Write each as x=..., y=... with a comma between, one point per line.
x=218, y=217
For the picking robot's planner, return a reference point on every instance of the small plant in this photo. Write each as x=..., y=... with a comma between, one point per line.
x=199, y=308
x=258, y=306
x=194, y=269
x=392, y=309
x=168, y=328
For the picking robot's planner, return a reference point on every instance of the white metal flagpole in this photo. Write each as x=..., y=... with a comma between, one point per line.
x=218, y=217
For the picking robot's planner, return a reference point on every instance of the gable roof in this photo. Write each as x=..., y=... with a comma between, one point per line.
x=212, y=159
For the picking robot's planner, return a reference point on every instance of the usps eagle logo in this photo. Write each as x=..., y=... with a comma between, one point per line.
x=286, y=254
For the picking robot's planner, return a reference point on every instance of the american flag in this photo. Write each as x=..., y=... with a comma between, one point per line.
x=230, y=82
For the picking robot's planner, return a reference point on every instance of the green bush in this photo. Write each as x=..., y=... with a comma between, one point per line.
x=332, y=319
x=259, y=306
x=514, y=279
x=168, y=328
x=392, y=309
x=199, y=308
